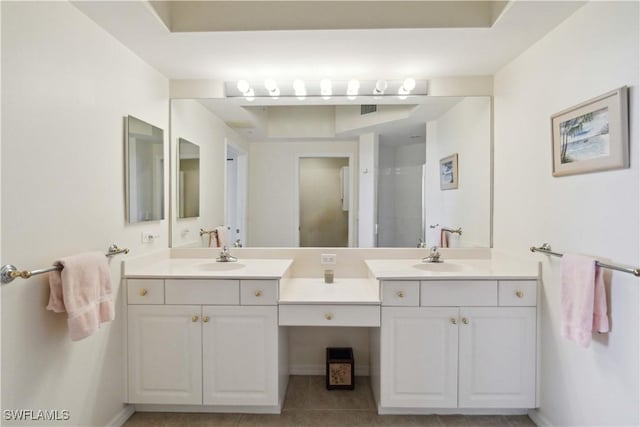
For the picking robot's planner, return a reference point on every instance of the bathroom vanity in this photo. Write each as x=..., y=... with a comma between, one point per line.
x=205, y=336
x=454, y=335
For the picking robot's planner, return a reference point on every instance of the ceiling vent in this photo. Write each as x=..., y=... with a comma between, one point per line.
x=368, y=109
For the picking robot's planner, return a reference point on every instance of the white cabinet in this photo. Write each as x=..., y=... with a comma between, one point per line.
x=240, y=355
x=222, y=355
x=459, y=357
x=165, y=354
x=497, y=357
x=419, y=356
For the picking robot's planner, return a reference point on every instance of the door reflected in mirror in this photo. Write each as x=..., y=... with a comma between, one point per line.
x=144, y=158
x=188, y=179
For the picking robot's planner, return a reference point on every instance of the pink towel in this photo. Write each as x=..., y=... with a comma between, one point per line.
x=221, y=236
x=82, y=289
x=583, y=301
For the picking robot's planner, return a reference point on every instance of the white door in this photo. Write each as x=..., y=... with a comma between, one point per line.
x=419, y=362
x=165, y=354
x=497, y=357
x=240, y=349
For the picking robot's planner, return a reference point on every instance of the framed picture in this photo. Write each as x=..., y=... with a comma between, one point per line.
x=449, y=172
x=592, y=136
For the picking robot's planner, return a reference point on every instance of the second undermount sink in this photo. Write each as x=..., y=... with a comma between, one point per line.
x=220, y=266
x=443, y=266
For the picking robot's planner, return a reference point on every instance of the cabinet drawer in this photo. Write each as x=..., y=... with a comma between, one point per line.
x=329, y=315
x=197, y=291
x=258, y=292
x=517, y=293
x=400, y=293
x=145, y=291
x=471, y=293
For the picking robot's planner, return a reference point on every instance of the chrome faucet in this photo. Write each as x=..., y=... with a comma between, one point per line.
x=434, y=255
x=225, y=256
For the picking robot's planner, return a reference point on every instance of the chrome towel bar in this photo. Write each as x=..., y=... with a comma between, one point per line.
x=10, y=272
x=546, y=249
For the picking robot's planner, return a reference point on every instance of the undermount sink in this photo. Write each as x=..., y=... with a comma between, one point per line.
x=443, y=266
x=220, y=266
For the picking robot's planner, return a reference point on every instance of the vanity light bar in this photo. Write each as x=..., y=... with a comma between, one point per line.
x=324, y=88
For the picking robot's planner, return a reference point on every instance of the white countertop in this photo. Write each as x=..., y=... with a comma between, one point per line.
x=208, y=268
x=465, y=269
x=303, y=290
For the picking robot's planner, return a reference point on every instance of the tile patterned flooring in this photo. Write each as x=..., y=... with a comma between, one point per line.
x=308, y=403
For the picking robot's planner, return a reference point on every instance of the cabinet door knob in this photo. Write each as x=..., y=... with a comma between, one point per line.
x=328, y=316
x=194, y=318
x=465, y=320
x=258, y=293
x=143, y=292
x=205, y=319
x=400, y=294
x=454, y=321
x=519, y=294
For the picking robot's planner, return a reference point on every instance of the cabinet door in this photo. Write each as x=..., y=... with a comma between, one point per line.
x=419, y=357
x=165, y=354
x=240, y=363
x=497, y=357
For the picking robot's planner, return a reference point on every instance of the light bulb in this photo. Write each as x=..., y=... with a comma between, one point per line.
x=325, y=87
x=352, y=87
x=409, y=84
x=298, y=86
x=381, y=86
x=243, y=86
x=402, y=93
x=271, y=86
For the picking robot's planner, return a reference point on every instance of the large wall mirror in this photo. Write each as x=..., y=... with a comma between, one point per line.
x=144, y=171
x=364, y=173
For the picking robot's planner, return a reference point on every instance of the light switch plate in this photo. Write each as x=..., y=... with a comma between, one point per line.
x=327, y=259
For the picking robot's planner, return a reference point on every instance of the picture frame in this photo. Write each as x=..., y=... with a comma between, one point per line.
x=592, y=136
x=449, y=172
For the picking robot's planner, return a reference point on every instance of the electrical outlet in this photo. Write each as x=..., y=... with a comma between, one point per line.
x=327, y=259
x=148, y=237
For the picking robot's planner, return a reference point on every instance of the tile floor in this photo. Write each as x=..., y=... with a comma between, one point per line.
x=308, y=403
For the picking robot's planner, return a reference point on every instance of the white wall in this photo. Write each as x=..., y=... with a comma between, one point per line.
x=272, y=210
x=593, y=51
x=67, y=86
x=192, y=121
x=464, y=129
x=367, y=181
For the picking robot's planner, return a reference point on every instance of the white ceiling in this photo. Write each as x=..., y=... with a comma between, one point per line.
x=457, y=38
x=337, y=54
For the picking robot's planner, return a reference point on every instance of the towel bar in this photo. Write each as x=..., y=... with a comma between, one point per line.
x=10, y=272
x=546, y=249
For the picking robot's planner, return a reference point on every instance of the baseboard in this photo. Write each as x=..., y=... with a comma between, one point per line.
x=210, y=409
x=451, y=411
x=539, y=419
x=121, y=417
x=361, y=370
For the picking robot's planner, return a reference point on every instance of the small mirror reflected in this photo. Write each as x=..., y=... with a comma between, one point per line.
x=144, y=171
x=188, y=179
